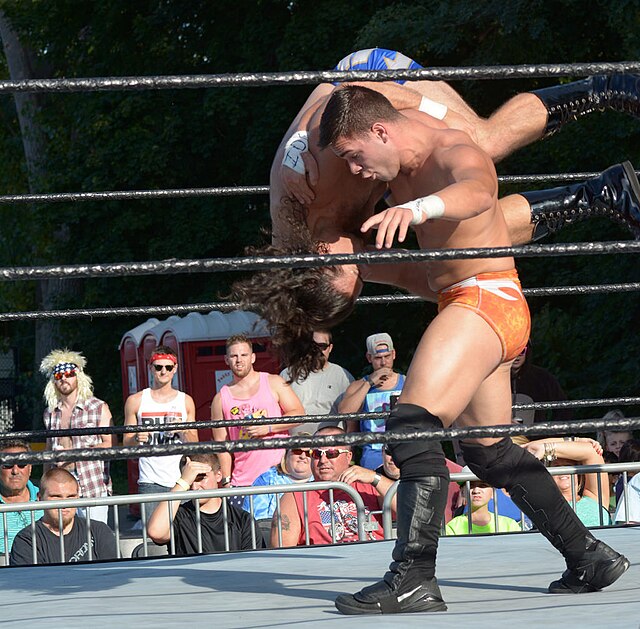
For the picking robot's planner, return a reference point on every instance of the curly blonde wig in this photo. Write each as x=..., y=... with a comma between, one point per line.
x=47, y=366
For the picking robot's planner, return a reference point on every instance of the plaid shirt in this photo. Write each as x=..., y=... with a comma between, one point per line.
x=93, y=476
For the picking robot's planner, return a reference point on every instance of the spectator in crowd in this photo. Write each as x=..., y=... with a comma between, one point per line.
x=482, y=519
x=589, y=506
x=506, y=506
x=530, y=383
x=610, y=457
x=629, y=509
x=320, y=390
x=295, y=467
x=71, y=404
x=59, y=484
x=613, y=440
x=158, y=405
x=197, y=473
x=374, y=393
x=331, y=464
x=252, y=395
x=15, y=486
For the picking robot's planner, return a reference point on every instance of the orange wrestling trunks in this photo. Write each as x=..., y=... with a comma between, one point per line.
x=498, y=299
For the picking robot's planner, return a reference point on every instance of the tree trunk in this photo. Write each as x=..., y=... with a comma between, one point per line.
x=22, y=63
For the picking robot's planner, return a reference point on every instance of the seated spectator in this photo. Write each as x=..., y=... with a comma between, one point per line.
x=331, y=464
x=59, y=484
x=201, y=472
x=558, y=453
x=482, y=520
x=613, y=440
x=505, y=507
x=15, y=486
x=629, y=510
x=295, y=467
x=610, y=457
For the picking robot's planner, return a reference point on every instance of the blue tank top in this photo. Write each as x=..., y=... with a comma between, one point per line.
x=378, y=401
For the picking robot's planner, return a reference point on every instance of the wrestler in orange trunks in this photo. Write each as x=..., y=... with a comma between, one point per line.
x=497, y=297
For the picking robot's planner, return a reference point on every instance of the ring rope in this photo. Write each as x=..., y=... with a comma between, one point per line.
x=246, y=445
x=34, y=435
x=253, y=263
x=126, y=311
x=261, y=79
x=228, y=191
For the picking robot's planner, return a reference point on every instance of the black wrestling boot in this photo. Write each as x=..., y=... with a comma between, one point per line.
x=567, y=102
x=591, y=564
x=599, y=567
x=410, y=584
x=614, y=193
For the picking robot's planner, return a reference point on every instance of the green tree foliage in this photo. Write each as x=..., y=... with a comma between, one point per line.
x=227, y=136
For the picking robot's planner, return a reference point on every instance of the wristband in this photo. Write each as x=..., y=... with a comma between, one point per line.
x=226, y=480
x=376, y=479
x=436, y=110
x=296, y=145
x=367, y=379
x=425, y=208
x=183, y=484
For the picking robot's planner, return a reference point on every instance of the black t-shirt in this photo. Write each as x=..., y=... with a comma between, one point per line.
x=76, y=546
x=186, y=537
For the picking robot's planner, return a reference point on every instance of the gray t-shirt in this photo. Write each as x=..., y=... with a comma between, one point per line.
x=320, y=393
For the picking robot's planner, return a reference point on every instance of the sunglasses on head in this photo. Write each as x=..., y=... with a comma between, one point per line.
x=330, y=453
x=10, y=466
x=323, y=346
x=65, y=374
x=301, y=451
x=159, y=368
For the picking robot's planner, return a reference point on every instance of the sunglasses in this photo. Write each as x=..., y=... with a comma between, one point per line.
x=301, y=451
x=159, y=368
x=65, y=374
x=330, y=454
x=323, y=346
x=10, y=466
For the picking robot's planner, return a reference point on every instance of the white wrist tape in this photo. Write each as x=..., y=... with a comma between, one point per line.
x=296, y=145
x=425, y=208
x=428, y=106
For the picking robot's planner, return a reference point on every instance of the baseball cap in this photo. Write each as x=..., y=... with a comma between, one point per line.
x=380, y=343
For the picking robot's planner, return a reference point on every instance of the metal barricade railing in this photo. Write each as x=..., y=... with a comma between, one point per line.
x=168, y=497
x=574, y=470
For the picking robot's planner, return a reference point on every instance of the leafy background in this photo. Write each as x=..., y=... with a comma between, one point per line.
x=227, y=136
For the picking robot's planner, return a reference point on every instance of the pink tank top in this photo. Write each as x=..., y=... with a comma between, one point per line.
x=247, y=466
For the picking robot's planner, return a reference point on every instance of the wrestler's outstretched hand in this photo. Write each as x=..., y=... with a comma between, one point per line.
x=299, y=185
x=388, y=223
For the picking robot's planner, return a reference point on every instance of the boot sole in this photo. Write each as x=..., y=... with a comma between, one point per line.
x=635, y=187
x=348, y=605
x=609, y=576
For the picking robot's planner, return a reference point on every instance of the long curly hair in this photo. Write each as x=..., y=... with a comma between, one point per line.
x=296, y=302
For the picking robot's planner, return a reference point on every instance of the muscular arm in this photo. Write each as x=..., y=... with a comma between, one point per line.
x=131, y=407
x=106, y=441
x=291, y=525
x=190, y=435
x=353, y=400
x=220, y=434
x=410, y=276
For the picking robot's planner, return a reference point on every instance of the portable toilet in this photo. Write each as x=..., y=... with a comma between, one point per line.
x=199, y=340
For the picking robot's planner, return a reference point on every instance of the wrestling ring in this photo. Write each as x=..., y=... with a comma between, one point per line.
x=504, y=577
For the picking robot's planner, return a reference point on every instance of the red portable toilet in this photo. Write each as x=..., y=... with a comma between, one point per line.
x=199, y=340
x=131, y=360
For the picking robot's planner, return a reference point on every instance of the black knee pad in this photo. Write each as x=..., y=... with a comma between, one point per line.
x=496, y=464
x=416, y=459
